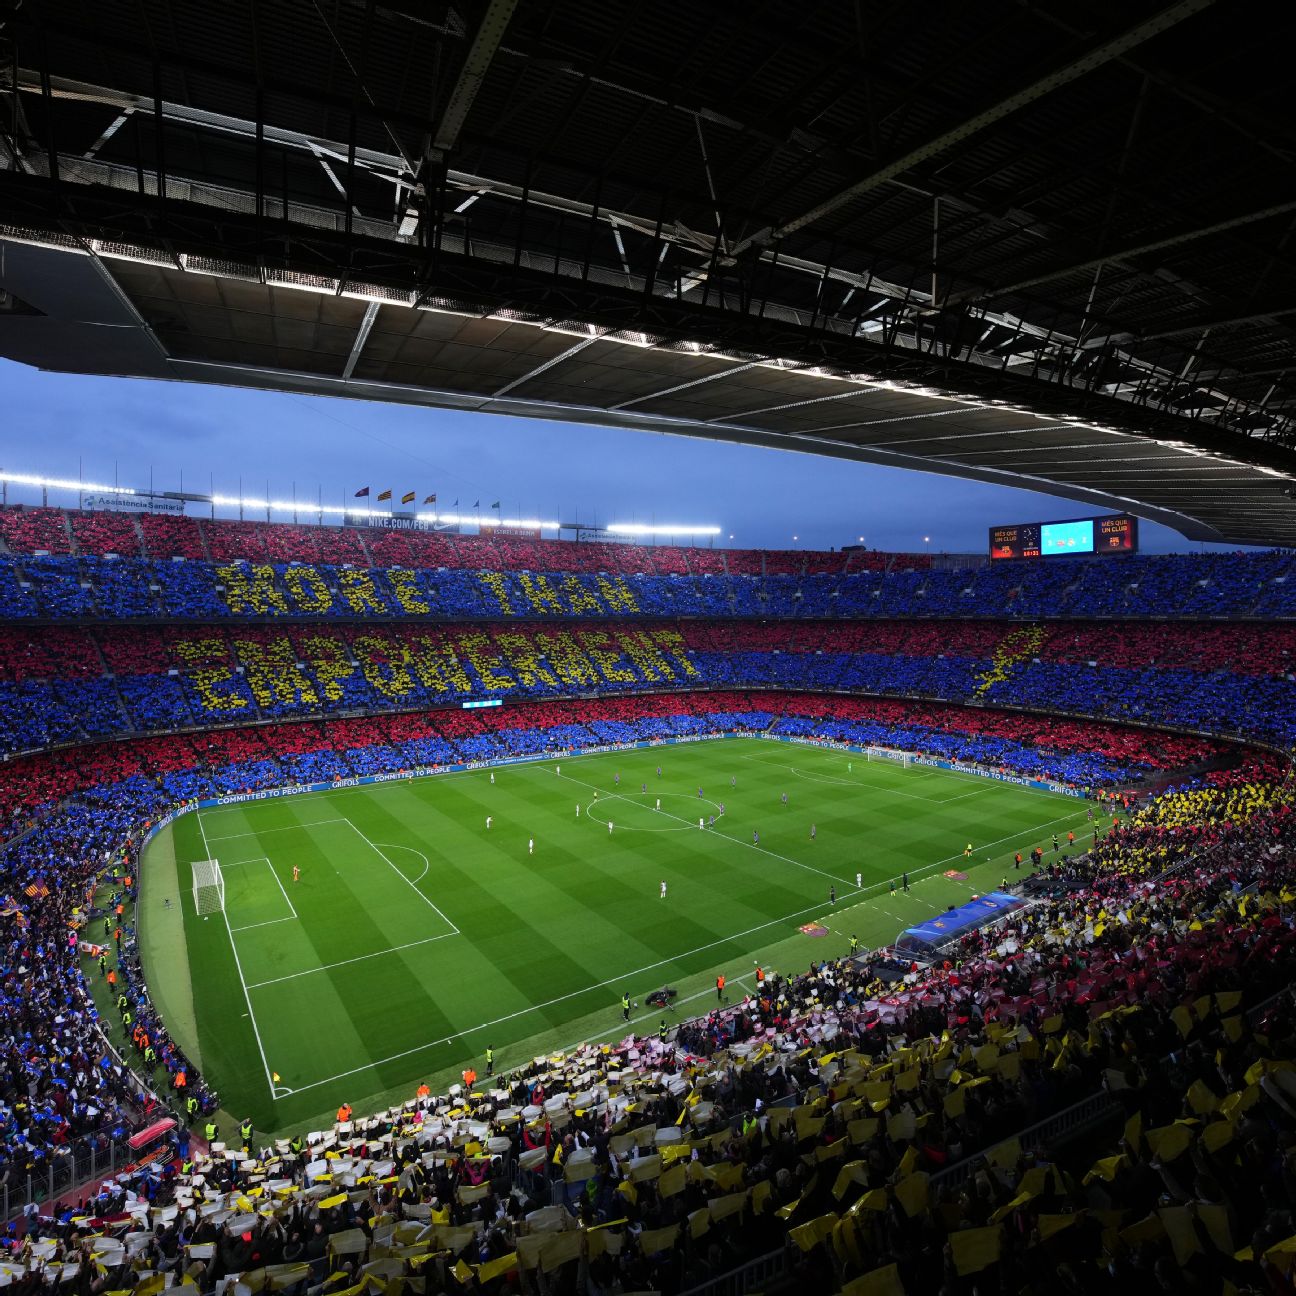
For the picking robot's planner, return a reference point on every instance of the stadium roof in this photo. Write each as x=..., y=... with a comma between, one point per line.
x=1032, y=243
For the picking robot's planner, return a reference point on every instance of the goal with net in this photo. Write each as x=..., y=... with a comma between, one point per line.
x=208, y=887
x=888, y=754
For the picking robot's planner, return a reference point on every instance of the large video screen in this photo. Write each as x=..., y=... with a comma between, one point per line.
x=1067, y=537
x=1114, y=534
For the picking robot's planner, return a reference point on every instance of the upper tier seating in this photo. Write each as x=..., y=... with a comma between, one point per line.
x=268, y=570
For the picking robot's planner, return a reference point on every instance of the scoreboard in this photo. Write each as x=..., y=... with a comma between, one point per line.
x=1113, y=534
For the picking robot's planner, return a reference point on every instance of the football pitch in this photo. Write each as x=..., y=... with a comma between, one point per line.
x=415, y=935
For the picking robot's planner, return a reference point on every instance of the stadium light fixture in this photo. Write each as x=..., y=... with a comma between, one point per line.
x=308, y=507
x=61, y=483
x=644, y=529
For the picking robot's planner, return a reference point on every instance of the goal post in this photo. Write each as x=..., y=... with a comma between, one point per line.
x=897, y=757
x=208, y=887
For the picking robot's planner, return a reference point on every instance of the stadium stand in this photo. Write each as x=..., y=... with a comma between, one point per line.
x=868, y=1126
x=1211, y=678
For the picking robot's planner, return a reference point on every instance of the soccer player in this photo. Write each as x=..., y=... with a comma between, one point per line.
x=296, y=873
x=733, y=780
x=832, y=895
x=530, y=845
x=785, y=798
x=558, y=770
x=488, y=823
x=663, y=890
x=813, y=830
x=616, y=778
x=755, y=837
x=701, y=821
x=859, y=881
x=609, y=827
x=659, y=803
x=904, y=877
x=492, y=778
x=967, y=851
x=659, y=771
x=699, y=791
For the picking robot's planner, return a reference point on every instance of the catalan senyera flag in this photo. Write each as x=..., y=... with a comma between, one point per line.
x=384, y=495
x=409, y=497
x=362, y=493
x=431, y=499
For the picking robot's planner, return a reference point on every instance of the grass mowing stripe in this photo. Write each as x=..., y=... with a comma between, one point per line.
x=752, y=845
x=548, y=941
x=247, y=998
x=403, y=878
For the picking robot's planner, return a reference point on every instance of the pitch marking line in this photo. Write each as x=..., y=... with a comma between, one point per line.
x=427, y=864
x=269, y=922
x=548, y=1003
x=715, y=832
x=359, y=958
x=454, y=931
x=279, y=1091
x=315, y=823
x=598, y=985
x=247, y=998
x=282, y=892
x=629, y=798
x=262, y=859
x=812, y=777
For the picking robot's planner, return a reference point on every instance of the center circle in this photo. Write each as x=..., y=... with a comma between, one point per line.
x=637, y=811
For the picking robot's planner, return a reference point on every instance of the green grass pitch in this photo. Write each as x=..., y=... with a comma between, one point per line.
x=416, y=936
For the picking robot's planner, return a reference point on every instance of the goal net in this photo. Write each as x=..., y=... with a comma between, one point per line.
x=888, y=754
x=208, y=887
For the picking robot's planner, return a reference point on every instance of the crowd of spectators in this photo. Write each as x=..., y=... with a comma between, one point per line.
x=873, y=1121
x=864, y=1129
x=60, y=565
x=31, y=531
x=177, y=767
x=66, y=685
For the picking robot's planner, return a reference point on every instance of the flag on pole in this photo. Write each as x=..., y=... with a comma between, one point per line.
x=477, y=503
x=408, y=497
x=384, y=495
x=431, y=499
x=274, y=1075
x=496, y=504
x=455, y=504
x=362, y=493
